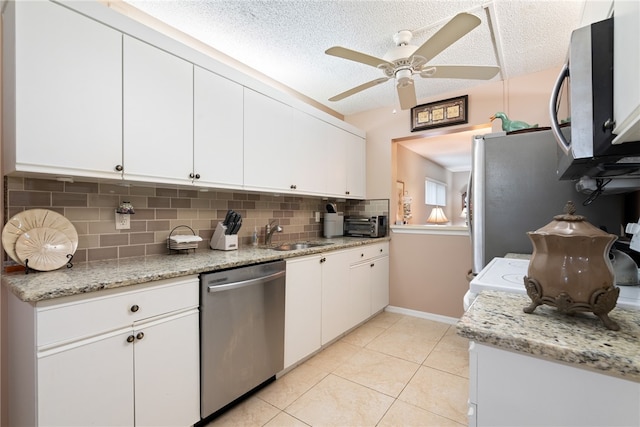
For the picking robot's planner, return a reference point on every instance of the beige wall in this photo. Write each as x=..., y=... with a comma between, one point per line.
x=428, y=272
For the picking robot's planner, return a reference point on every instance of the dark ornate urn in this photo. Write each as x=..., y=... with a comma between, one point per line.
x=570, y=267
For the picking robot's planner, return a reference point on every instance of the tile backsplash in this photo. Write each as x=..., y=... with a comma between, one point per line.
x=91, y=206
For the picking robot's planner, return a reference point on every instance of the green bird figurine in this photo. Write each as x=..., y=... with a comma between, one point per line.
x=511, y=125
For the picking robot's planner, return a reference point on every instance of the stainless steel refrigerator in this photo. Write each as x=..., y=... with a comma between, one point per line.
x=514, y=188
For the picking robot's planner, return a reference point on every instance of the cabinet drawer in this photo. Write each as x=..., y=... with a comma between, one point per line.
x=80, y=316
x=370, y=251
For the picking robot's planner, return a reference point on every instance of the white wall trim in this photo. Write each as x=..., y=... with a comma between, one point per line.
x=451, y=230
x=422, y=314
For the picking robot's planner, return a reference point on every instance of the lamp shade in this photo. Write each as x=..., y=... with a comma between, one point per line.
x=437, y=216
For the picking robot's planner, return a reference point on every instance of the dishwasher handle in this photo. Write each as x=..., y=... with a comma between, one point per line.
x=242, y=284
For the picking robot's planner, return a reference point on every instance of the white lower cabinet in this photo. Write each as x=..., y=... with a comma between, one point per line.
x=141, y=369
x=330, y=293
x=302, y=330
x=508, y=388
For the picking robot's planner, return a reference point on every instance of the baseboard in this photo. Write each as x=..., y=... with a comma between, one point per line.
x=422, y=315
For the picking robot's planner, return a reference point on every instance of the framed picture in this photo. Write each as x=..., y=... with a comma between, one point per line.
x=448, y=112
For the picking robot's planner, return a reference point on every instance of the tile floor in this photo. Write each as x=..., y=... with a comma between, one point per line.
x=394, y=370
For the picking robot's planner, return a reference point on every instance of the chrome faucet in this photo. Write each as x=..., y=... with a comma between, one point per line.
x=268, y=231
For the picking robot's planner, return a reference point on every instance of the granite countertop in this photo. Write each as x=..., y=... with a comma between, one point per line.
x=93, y=276
x=496, y=318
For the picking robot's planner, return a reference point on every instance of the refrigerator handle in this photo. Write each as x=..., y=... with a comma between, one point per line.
x=467, y=202
x=553, y=109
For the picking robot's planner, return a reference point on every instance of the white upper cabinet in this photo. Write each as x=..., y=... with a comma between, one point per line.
x=93, y=94
x=309, y=148
x=356, y=167
x=346, y=177
x=626, y=63
x=158, y=114
x=267, y=135
x=217, y=130
x=62, y=92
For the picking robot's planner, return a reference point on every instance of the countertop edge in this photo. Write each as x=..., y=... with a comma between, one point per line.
x=598, y=354
x=87, y=277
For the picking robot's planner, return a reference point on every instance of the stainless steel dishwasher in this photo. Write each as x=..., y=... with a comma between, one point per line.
x=241, y=332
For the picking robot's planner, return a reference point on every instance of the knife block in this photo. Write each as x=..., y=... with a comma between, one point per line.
x=223, y=242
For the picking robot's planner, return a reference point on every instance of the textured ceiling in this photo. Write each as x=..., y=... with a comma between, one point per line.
x=286, y=40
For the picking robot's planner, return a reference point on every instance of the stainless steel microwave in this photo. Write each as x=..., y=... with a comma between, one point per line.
x=584, y=147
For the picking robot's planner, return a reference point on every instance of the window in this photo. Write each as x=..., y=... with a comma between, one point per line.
x=435, y=192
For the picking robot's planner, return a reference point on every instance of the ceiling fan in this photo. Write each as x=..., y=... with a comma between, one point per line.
x=405, y=60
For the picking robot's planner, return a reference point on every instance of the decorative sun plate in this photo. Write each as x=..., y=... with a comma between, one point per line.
x=45, y=248
x=36, y=218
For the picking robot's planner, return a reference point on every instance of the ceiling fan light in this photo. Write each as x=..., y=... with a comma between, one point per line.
x=404, y=77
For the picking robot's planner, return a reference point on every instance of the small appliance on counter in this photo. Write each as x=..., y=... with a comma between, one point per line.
x=362, y=226
x=333, y=224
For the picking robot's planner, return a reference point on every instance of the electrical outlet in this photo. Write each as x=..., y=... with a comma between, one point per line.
x=317, y=216
x=123, y=221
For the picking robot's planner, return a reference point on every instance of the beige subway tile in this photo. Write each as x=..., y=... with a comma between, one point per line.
x=200, y=203
x=184, y=214
x=82, y=214
x=82, y=227
x=114, y=189
x=141, y=238
x=119, y=239
x=137, y=226
x=31, y=184
x=88, y=241
x=102, y=201
x=81, y=187
x=158, y=225
x=181, y=203
x=68, y=199
x=138, y=202
x=189, y=194
x=29, y=199
x=102, y=253
x=166, y=192
x=166, y=213
x=102, y=227
x=131, y=251
x=159, y=202
x=14, y=183
x=79, y=256
x=145, y=214
x=142, y=190
x=157, y=248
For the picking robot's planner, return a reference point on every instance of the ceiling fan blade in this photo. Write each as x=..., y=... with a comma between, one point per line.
x=352, y=55
x=453, y=30
x=407, y=96
x=357, y=89
x=476, y=72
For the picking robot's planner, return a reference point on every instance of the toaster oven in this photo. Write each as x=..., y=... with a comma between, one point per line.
x=363, y=226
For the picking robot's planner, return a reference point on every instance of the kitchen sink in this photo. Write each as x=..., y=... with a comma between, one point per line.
x=299, y=245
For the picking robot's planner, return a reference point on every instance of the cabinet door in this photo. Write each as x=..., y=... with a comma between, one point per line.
x=67, y=78
x=335, y=307
x=356, y=166
x=88, y=383
x=158, y=114
x=267, y=132
x=626, y=62
x=336, y=175
x=217, y=130
x=358, y=293
x=303, y=313
x=167, y=371
x=379, y=281
x=311, y=157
